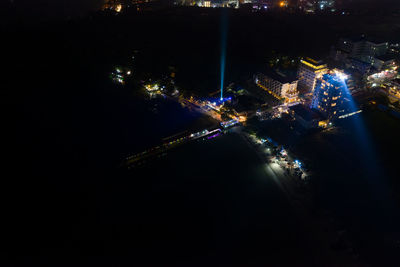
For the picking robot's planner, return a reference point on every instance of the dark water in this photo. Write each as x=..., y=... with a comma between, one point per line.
x=208, y=202
x=355, y=180
x=160, y=118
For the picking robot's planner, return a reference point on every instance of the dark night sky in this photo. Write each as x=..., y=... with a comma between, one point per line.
x=56, y=8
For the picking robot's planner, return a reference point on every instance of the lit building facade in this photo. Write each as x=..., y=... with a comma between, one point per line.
x=329, y=94
x=216, y=3
x=207, y=4
x=393, y=90
x=350, y=81
x=278, y=85
x=308, y=72
x=360, y=49
x=115, y=5
x=383, y=62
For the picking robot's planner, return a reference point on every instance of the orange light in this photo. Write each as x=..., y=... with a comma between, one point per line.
x=323, y=124
x=283, y=4
x=320, y=67
x=118, y=8
x=242, y=118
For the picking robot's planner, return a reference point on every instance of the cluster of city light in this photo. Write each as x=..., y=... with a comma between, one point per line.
x=118, y=75
x=230, y=123
x=280, y=159
x=378, y=79
x=109, y=5
x=341, y=75
x=152, y=87
x=350, y=114
x=217, y=104
x=134, y=159
x=283, y=3
x=297, y=163
x=242, y=118
x=204, y=133
x=394, y=91
x=211, y=4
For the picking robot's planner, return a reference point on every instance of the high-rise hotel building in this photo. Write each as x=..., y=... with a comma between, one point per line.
x=329, y=94
x=308, y=72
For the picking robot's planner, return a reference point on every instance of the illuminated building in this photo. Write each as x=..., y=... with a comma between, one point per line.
x=217, y=3
x=383, y=62
x=359, y=65
x=393, y=90
x=308, y=72
x=260, y=4
x=279, y=85
x=113, y=5
x=394, y=49
x=396, y=83
x=382, y=77
x=326, y=4
x=360, y=49
x=329, y=94
x=350, y=81
x=120, y=5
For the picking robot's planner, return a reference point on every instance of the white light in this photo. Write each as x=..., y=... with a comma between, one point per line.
x=341, y=75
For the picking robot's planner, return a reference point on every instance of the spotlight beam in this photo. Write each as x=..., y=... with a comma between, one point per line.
x=224, y=33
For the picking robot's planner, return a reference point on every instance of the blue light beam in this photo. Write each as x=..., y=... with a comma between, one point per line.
x=224, y=34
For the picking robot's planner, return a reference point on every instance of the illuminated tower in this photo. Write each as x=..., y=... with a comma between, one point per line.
x=309, y=71
x=329, y=94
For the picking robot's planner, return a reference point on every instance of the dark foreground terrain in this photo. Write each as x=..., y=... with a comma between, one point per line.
x=66, y=128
